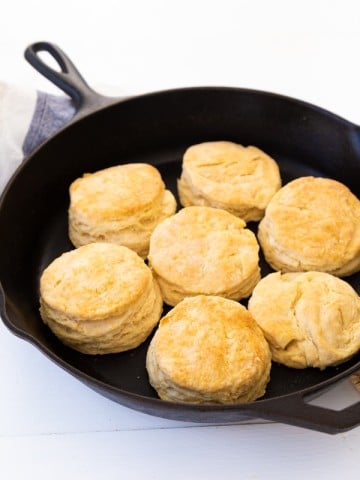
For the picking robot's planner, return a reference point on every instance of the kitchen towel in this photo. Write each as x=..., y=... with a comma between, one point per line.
x=27, y=119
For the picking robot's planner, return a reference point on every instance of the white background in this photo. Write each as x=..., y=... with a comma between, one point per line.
x=51, y=425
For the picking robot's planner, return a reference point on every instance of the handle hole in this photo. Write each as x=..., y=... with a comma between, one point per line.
x=338, y=397
x=49, y=60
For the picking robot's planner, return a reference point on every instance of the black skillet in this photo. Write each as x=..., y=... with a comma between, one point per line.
x=156, y=128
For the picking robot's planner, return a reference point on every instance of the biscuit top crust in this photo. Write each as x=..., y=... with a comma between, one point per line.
x=232, y=173
x=94, y=281
x=203, y=249
x=318, y=217
x=210, y=343
x=309, y=318
x=117, y=191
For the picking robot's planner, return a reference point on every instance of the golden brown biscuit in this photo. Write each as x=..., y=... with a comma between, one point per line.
x=226, y=175
x=310, y=319
x=204, y=250
x=209, y=350
x=312, y=224
x=100, y=298
x=121, y=204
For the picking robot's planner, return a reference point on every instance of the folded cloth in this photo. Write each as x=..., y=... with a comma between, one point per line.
x=50, y=114
x=27, y=118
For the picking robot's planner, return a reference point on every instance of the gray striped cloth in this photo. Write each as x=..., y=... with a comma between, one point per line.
x=27, y=119
x=50, y=114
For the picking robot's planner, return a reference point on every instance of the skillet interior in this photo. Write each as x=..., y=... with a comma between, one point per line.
x=157, y=128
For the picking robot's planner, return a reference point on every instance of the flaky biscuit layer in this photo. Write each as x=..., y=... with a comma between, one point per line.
x=209, y=350
x=312, y=224
x=121, y=204
x=204, y=250
x=226, y=175
x=310, y=319
x=100, y=298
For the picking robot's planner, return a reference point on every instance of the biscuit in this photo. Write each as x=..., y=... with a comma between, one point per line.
x=208, y=350
x=310, y=319
x=100, y=298
x=226, y=175
x=121, y=204
x=204, y=250
x=312, y=224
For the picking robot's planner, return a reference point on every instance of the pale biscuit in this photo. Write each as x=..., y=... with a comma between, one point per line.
x=310, y=319
x=226, y=175
x=121, y=204
x=312, y=224
x=208, y=350
x=204, y=250
x=100, y=298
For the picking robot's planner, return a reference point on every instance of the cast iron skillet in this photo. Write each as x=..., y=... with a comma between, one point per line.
x=156, y=128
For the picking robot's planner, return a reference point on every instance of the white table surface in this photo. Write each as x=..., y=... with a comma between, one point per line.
x=51, y=426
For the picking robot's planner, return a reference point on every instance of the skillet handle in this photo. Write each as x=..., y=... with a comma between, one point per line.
x=67, y=79
x=295, y=410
